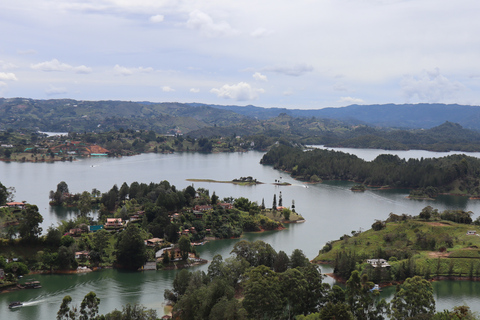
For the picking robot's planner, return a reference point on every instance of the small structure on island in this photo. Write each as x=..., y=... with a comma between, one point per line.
x=378, y=263
x=114, y=223
x=153, y=242
x=471, y=232
x=82, y=255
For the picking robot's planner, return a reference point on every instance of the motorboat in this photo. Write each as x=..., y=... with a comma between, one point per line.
x=15, y=304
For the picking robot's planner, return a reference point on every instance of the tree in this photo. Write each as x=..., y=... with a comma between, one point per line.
x=29, y=225
x=413, y=298
x=184, y=246
x=280, y=200
x=85, y=203
x=214, y=198
x=263, y=297
x=274, y=204
x=426, y=213
x=3, y=194
x=65, y=312
x=281, y=262
x=298, y=259
x=131, y=252
x=89, y=306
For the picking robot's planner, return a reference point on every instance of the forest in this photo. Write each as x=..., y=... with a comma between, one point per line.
x=456, y=174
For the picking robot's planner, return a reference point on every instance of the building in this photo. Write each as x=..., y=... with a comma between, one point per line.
x=378, y=263
x=114, y=223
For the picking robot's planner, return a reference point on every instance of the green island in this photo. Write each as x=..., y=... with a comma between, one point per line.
x=243, y=181
x=358, y=188
x=455, y=174
x=139, y=226
x=433, y=245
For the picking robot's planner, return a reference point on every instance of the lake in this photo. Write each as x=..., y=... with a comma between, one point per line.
x=330, y=210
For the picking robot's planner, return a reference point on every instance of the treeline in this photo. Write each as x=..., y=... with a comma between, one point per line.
x=455, y=173
x=256, y=282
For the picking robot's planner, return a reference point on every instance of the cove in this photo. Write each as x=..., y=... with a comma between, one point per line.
x=330, y=210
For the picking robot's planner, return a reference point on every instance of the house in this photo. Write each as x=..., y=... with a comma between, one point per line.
x=471, y=232
x=114, y=223
x=16, y=205
x=75, y=232
x=378, y=263
x=202, y=208
x=81, y=255
x=153, y=242
x=226, y=205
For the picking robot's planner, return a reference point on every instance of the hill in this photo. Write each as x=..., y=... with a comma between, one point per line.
x=407, y=116
x=410, y=246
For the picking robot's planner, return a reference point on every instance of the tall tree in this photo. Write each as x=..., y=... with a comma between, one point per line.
x=274, y=204
x=89, y=307
x=413, y=298
x=29, y=226
x=131, y=252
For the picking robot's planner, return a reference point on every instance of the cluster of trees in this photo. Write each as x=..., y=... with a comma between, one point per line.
x=256, y=282
x=385, y=170
x=89, y=310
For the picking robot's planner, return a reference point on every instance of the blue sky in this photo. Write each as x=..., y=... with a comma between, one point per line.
x=305, y=54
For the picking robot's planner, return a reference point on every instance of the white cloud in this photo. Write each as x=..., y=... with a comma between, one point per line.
x=52, y=65
x=350, y=100
x=199, y=20
x=167, y=89
x=261, y=33
x=157, y=18
x=7, y=65
x=26, y=52
x=82, y=69
x=241, y=91
x=8, y=76
x=259, y=77
x=55, y=65
x=51, y=91
x=429, y=86
x=296, y=70
x=124, y=71
x=194, y=90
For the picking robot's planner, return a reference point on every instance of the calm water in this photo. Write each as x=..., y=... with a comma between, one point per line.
x=330, y=208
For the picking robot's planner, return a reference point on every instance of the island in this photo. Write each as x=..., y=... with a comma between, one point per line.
x=243, y=181
x=139, y=227
x=433, y=245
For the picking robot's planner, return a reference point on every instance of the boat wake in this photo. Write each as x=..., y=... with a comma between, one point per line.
x=32, y=303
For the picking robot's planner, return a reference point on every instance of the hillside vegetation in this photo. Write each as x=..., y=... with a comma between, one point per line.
x=432, y=246
x=457, y=174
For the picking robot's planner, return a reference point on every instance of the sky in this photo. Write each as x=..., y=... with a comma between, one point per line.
x=302, y=54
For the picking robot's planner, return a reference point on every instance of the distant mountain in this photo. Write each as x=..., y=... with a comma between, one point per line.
x=67, y=115
x=408, y=116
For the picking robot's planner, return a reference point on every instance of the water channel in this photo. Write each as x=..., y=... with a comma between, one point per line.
x=330, y=209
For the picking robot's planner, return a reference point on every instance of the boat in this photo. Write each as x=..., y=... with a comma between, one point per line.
x=376, y=287
x=15, y=304
x=32, y=285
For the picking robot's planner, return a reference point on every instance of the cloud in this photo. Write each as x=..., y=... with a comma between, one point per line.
x=157, y=18
x=167, y=89
x=259, y=77
x=350, y=100
x=55, y=65
x=199, y=20
x=241, y=91
x=8, y=76
x=195, y=90
x=26, y=52
x=7, y=65
x=55, y=90
x=124, y=71
x=429, y=86
x=296, y=70
x=261, y=33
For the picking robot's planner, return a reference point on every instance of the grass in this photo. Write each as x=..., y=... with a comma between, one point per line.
x=460, y=254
